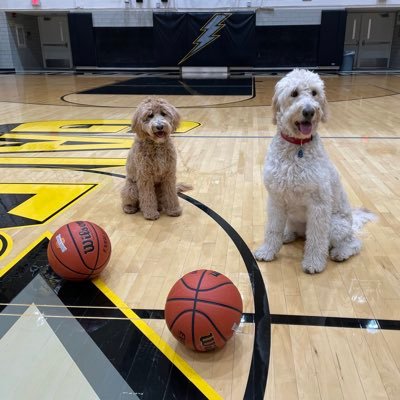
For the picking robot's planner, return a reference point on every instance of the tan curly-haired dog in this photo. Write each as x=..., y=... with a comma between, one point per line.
x=150, y=183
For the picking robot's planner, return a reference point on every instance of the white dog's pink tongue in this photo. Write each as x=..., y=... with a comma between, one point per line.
x=305, y=128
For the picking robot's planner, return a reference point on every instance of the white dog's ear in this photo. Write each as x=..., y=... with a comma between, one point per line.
x=275, y=108
x=325, y=110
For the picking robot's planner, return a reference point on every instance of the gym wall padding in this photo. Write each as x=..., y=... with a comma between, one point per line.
x=125, y=47
x=331, y=40
x=287, y=46
x=82, y=39
x=174, y=36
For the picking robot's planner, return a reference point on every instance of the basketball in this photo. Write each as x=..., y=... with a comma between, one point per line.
x=203, y=310
x=79, y=250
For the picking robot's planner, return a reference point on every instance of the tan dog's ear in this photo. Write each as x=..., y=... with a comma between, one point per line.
x=134, y=122
x=137, y=120
x=175, y=116
x=275, y=108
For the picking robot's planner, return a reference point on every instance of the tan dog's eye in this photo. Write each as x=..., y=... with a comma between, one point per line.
x=163, y=114
x=150, y=116
x=295, y=93
x=314, y=92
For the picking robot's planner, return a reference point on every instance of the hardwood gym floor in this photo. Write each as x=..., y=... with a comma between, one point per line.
x=335, y=335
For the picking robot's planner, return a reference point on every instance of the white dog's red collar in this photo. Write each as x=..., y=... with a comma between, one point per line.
x=294, y=140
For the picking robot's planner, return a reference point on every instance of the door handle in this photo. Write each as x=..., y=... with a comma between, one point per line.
x=363, y=43
x=56, y=44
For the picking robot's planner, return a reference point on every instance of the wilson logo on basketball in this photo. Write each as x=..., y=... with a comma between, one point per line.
x=208, y=342
x=181, y=337
x=86, y=237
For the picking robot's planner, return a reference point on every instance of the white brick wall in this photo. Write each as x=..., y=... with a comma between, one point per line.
x=122, y=18
x=288, y=16
x=6, y=60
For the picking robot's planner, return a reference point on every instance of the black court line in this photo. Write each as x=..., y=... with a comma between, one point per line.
x=212, y=106
x=234, y=104
x=249, y=318
x=302, y=320
x=4, y=245
x=337, y=322
x=257, y=380
x=271, y=136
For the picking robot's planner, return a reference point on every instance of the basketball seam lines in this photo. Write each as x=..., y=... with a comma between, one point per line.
x=55, y=255
x=212, y=322
x=179, y=315
x=194, y=307
x=206, y=301
x=77, y=249
x=104, y=263
x=206, y=290
x=98, y=247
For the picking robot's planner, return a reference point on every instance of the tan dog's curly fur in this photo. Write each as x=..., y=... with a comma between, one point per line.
x=150, y=183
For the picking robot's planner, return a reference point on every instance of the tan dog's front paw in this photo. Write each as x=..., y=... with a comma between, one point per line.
x=153, y=215
x=129, y=209
x=175, y=212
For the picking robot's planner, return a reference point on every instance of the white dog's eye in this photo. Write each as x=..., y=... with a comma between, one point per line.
x=150, y=116
x=314, y=92
x=295, y=93
x=163, y=114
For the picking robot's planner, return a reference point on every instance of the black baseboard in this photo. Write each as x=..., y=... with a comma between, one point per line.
x=7, y=70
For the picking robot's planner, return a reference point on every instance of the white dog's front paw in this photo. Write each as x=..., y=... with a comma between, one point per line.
x=313, y=265
x=345, y=251
x=264, y=253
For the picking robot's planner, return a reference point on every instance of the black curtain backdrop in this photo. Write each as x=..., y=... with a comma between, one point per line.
x=204, y=39
x=82, y=38
x=287, y=46
x=124, y=47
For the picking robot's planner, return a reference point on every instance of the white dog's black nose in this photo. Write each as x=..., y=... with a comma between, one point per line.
x=308, y=112
x=159, y=127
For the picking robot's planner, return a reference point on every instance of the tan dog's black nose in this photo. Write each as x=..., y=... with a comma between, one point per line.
x=308, y=113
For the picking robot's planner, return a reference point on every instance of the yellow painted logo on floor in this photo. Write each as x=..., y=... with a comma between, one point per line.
x=30, y=143
x=23, y=204
x=44, y=136
x=60, y=162
x=90, y=126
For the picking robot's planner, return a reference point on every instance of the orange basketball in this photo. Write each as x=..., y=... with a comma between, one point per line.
x=203, y=310
x=79, y=251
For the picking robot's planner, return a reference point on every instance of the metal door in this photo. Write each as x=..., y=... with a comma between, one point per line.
x=54, y=37
x=375, y=40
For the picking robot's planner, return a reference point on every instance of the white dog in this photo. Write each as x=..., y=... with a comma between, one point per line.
x=306, y=197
